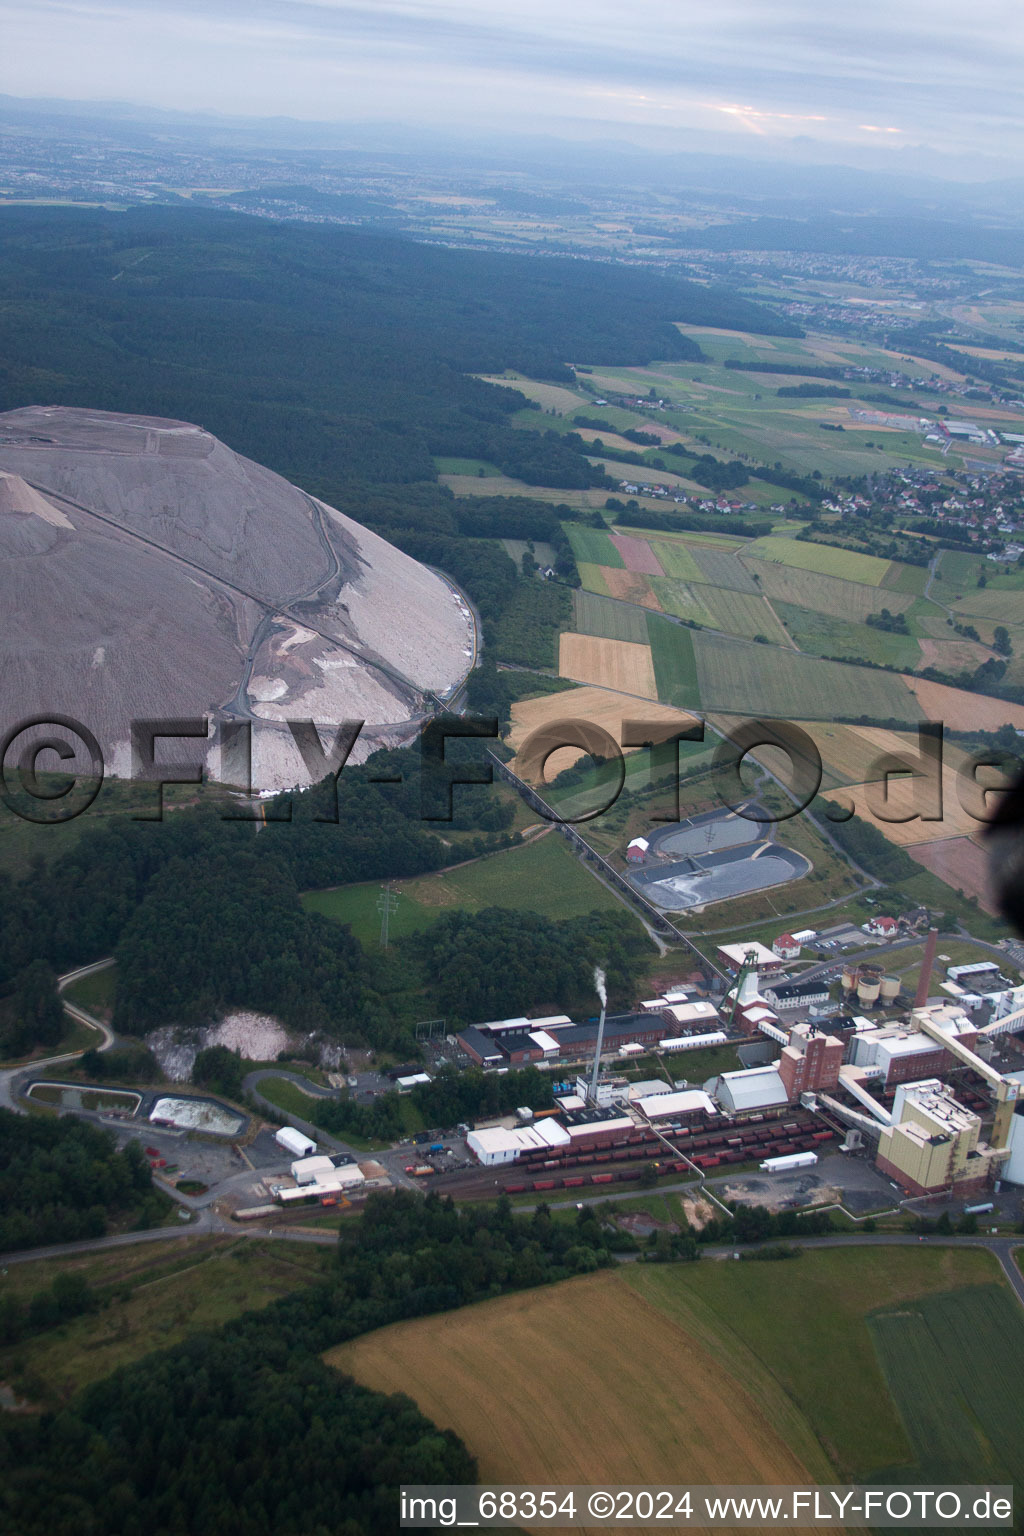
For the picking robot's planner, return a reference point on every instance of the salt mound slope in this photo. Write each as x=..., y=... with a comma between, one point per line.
x=173, y=577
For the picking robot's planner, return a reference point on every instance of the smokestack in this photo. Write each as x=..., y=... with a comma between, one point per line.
x=602, y=993
x=925, y=980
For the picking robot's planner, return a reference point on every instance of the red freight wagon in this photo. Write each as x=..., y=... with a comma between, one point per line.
x=514, y=1189
x=545, y=1183
x=601, y=1178
x=574, y=1182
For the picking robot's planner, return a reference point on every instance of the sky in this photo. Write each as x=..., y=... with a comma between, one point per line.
x=763, y=75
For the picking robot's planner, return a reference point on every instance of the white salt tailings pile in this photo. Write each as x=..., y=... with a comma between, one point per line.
x=256, y=1036
x=197, y=1115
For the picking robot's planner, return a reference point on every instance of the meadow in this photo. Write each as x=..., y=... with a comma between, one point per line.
x=595, y=615
x=822, y=558
x=152, y=1296
x=541, y=876
x=851, y=600
x=824, y=634
x=954, y=1366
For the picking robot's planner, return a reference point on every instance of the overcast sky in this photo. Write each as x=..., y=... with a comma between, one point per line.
x=888, y=73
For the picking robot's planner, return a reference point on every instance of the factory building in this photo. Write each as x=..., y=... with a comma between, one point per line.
x=785, y=995
x=734, y=956
x=494, y=1145
x=413, y=1080
x=810, y=1062
x=753, y=1088
x=900, y=1053
x=592, y=1127
x=692, y=1042
x=933, y=1142
x=329, y=1182
x=481, y=1048
x=683, y=1016
x=687, y=1104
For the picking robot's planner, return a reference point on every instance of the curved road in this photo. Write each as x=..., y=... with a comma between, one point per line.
x=7, y=1098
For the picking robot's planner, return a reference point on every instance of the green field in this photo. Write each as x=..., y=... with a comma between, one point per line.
x=738, y=679
x=677, y=560
x=152, y=1296
x=954, y=1366
x=592, y=577
x=828, y=1366
x=454, y=466
x=736, y=613
x=724, y=568
x=287, y=1096
x=675, y=668
x=906, y=578
x=824, y=558
x=593, y=546
x=851, y=600
x=823, y=634
x=544, y=554
x=610, y=620
x=1002, y=607
x=542, y=876
x=356, y=905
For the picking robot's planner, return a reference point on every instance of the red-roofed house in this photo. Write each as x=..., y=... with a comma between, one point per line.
x=786, y=947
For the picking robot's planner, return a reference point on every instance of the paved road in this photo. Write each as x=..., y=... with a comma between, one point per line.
x=207, y=1224
x=8, y=1099
x=1002, y=1247
x=211, y=1225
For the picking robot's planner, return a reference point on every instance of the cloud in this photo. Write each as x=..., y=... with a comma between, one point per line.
x=925, y=71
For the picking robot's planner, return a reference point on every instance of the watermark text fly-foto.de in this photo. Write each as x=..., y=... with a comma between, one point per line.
x=52, y=766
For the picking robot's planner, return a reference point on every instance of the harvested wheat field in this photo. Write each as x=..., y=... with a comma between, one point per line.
x=953, y=655
x=580, y=1382
x=597, y=705
x=618, y=664
x=963, y=711
x=630, y=587
x=901, y=799
x=961, y=864
x=637, y=554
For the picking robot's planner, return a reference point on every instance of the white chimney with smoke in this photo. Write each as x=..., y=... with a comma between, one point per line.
x=602, y=992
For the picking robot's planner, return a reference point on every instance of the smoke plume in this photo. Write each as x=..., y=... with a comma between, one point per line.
x=599, y=979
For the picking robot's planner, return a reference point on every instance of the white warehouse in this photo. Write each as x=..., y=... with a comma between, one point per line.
x=494, y=1146
x=294, y=1142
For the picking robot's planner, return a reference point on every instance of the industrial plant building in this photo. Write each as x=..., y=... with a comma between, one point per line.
x=518, y=1042
x=755, y=1088
x=933, y=1142
x=735, y=956
x=810, y=1062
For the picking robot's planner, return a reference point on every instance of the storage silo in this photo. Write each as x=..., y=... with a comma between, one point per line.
x=890, y=988
x=868, y=988
x=849, y=978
